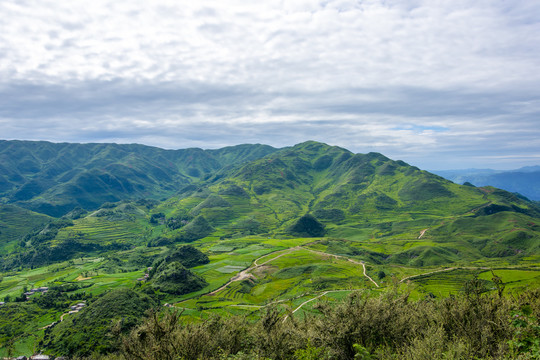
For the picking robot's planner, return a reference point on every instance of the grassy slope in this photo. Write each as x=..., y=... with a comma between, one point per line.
x=15, y=222
x=374, y=210
x=55, y=178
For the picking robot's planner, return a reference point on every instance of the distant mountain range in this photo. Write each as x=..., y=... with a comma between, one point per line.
x=113, y=197
x=525, y=180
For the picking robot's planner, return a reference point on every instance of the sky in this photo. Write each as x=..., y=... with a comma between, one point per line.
x=438, y=84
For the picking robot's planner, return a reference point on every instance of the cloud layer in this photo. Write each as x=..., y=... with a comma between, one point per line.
x=440, y=84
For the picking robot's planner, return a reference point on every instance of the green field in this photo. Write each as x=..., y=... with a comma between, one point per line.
x=293, y=274
x=289, y=231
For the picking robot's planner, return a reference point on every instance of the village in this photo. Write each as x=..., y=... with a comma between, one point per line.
x=36, y=357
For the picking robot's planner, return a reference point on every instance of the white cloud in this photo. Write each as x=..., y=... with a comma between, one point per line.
x=368, y=75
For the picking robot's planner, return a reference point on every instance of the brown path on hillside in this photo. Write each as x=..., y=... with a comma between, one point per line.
x=348, y=259
x=245, y=274
x=443, y=270
x=54, y=323
x=422, y=233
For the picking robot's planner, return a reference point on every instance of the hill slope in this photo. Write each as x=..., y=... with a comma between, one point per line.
x=310, y=189
x=55, y=178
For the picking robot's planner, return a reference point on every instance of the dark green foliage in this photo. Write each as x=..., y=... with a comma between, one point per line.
x=156, y=218
x=148, y=203
x=53, y=299
x=169, y=273
x=424, y=189
x=424, y=256
x=247, y=285
x=16, y=320
x=334, y=215
x=131, y=261
x=295, y=271
x=212, y=201
x=187, y=255
x=198, y=228
x=492, y=209
x=98, y=326
x=323, y=162
x=179, y=219
x=384, y=202
x=76, y=213
x=248, y=226
x=29, y=190
x=174, y=278
x=474, y=326
x=308, y=225
x=234, y=190
x=107, y=205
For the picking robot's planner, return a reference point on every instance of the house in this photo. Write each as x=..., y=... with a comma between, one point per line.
x=40, y=357
x=2, y=303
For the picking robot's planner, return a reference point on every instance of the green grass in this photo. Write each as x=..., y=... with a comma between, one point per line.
x=15, y=223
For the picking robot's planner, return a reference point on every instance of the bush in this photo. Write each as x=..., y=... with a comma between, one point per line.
x=174, y=278
x=308, y=225
x=470, y=326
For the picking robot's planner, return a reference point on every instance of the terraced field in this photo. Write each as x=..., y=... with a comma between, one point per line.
x=105, y=232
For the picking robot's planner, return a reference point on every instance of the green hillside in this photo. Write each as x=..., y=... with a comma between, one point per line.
x=250, y=229
x=409, y=216
x=55, y=178
x=15, y=223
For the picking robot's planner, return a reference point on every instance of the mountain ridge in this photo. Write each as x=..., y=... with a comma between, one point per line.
x=54, y=178
x=347, y=195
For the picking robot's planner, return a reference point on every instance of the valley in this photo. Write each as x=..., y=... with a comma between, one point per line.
x=241, y=231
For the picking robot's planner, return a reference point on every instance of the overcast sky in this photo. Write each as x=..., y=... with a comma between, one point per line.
x=438, y=84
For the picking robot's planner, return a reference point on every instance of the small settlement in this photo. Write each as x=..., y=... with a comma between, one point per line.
x=146, y=275
x=31, y=292
x=76, y=308
x=38, y=357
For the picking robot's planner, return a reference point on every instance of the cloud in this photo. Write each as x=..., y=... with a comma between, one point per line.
x=369, y=75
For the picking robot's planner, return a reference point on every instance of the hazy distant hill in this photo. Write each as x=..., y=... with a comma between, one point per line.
x=525, y=181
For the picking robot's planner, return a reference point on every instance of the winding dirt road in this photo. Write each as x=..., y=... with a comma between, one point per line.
x=348, y=259
x=246, y=273
x=443, y=270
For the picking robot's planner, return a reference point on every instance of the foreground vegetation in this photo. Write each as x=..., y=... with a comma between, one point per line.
x=473, y=325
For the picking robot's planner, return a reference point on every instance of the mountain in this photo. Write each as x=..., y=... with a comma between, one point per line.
x=247, y=230
x=310, y=189
x=56, y=178
x=525, y=180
